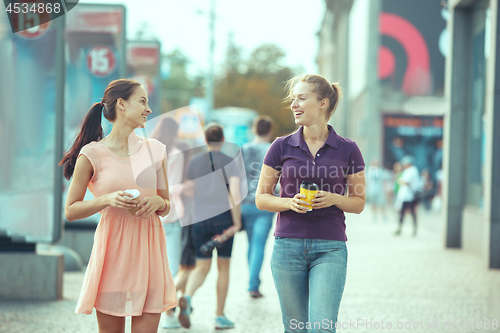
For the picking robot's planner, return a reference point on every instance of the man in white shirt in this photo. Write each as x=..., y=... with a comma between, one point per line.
x=410, y=185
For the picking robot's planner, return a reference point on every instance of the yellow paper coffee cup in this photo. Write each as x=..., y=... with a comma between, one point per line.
x=309, y=189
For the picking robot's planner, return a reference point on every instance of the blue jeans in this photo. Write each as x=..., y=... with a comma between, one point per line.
x=257, y=225
x=173, y=233
x=309, y=275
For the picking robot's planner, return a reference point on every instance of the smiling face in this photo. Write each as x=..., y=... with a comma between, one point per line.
x=306, y=107
x=136, y=108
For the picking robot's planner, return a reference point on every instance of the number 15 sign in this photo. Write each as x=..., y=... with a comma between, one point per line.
x=101, y=60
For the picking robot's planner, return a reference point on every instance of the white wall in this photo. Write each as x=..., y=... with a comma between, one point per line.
x=358, y=47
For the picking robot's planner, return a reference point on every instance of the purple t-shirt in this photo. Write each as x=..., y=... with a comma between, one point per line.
x=337, y=158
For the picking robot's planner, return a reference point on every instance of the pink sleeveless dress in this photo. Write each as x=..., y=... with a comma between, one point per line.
x=128, y=272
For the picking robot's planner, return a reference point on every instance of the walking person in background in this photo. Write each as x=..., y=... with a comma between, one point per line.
x=188, y=253
x=409, y=185
x=436, y=201
x=201, y=176
x=375, y=190
x=309, y=257
x=128, y=272
x=166, y=132
x=397, y=172
x=428, y=189
x=257, y=223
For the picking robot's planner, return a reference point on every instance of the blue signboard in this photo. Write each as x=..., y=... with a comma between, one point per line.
x=95, y=56
x=143, y=65
x=29, y=90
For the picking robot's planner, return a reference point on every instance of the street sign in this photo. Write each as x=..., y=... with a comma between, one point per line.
x=101, y=60
x=146, y=82
x=95, y=56
x=143, y=65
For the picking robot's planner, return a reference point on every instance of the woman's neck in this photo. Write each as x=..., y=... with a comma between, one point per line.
x=122, y=136
x=316, y=133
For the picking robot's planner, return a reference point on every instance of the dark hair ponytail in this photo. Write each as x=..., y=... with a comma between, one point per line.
x=91, y=130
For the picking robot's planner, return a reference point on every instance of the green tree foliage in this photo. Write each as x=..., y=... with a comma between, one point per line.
x=257, y=83
x=179, y=88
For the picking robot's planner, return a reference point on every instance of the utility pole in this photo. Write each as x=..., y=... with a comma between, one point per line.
x=210, y=86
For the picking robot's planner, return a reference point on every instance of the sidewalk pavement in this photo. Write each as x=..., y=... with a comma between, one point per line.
x=410, y=282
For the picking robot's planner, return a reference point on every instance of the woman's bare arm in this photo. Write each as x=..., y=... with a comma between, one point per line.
x=76, y=208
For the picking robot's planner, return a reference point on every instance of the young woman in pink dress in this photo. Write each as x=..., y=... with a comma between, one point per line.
x=128, y=272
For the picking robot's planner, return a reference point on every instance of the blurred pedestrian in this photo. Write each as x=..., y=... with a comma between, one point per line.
x=397, y=171
x=409, y=186
x=397, y=148
x=188, y=253
x=128, y=272
x=166, y=132
x=309, y=257
x=437, y=201
x=257, y=222
x=225, y=224
x=428, y=189
x=376, y=178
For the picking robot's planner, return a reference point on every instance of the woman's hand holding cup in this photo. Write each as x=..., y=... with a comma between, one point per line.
x=135, y=196
x=309, y=190
x=298, y=205
x=149, y=205
x=324, y=199
x=121, y=199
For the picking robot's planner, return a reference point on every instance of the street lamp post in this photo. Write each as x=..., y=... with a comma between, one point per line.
x=210, y=86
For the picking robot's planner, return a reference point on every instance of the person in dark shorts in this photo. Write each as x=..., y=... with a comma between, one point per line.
x=188, y=255
x=212, y=178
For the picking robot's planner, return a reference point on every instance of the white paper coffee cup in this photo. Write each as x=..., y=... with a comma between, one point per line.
x=135, y=196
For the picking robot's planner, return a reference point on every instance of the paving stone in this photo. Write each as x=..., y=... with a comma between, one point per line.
x=390, y=279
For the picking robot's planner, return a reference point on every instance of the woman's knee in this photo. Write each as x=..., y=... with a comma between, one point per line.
x=147, y=323
x=203, y=266
x=110, y=324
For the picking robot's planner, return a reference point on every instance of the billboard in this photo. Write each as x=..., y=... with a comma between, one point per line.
x=30, y=129
x=95, y=55
x=413, y=38
x=143, y=65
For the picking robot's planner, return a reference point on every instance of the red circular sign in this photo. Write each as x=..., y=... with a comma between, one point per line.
x=29, y=19
x=101, y=60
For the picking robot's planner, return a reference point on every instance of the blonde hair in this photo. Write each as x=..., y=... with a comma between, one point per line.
x=321, y=87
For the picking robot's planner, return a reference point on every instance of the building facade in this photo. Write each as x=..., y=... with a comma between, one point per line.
x=420, y=78
x=369, y=46
x=472, y=130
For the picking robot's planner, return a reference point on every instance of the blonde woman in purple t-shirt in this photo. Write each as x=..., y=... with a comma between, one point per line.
x=309, y=257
